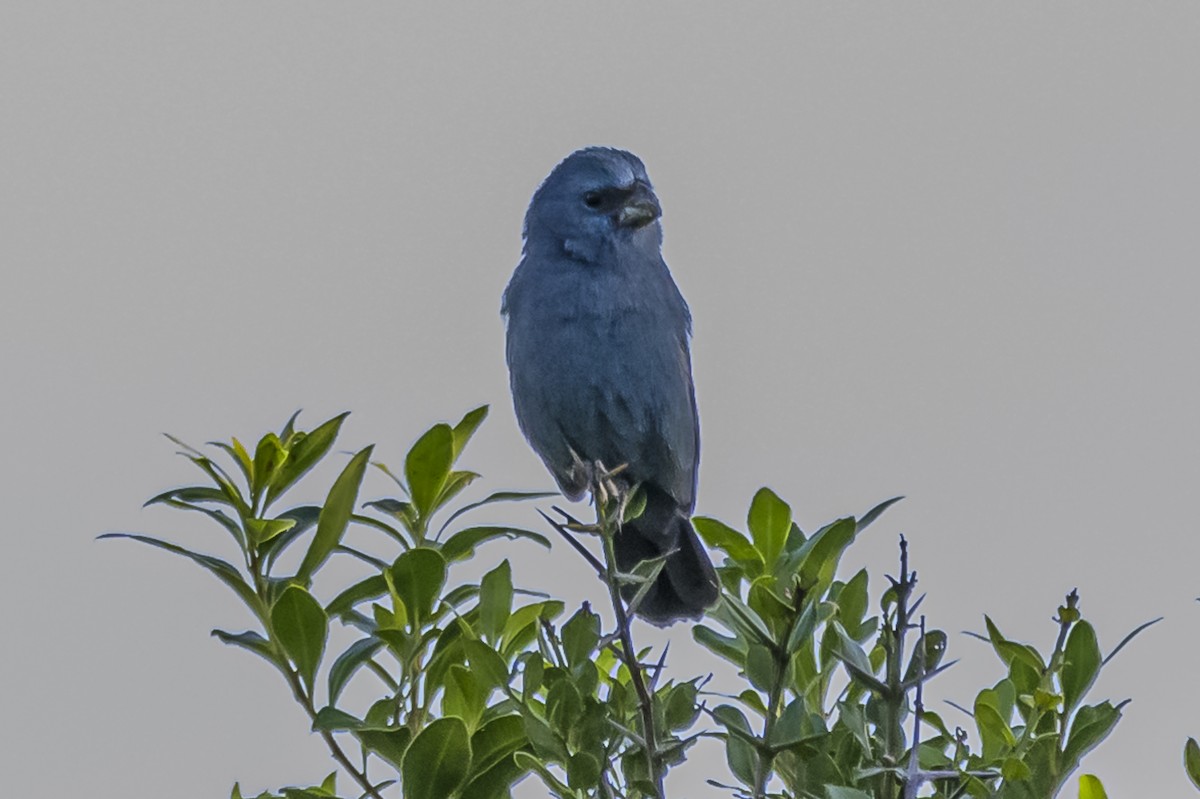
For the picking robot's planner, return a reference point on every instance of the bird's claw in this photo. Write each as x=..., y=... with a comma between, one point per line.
x=605, y=488
x=599, y=479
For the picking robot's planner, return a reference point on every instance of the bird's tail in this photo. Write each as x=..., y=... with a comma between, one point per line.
x=687, y=584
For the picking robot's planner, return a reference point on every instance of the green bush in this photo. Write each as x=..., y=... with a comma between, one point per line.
x=484, y=684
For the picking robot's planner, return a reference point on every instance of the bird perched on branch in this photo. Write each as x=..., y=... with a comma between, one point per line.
x=600, y=368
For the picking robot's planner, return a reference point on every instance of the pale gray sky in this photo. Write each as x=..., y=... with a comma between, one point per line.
x=941, y=250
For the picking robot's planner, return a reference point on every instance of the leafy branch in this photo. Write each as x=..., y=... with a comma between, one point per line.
x=479, y=686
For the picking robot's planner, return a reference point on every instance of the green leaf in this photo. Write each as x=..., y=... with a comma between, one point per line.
x=330, y=719
x=520, y=626
x=1046, y=700
x=335, y=514
x=732, y=649
x=223, y=571
x=855, y=659
x=806, y=625
x=372, y=587
x=1081, y=664
x=793, y=726
x=533, y=671
x=635, y=505
x=428, y=465
x=841, y=792
x=462, y=544
x=496, y=782
x=770, y=607
x=1024, y=678
x=384, y=527
x=537, y=766
x=853, y=717
x=1014, y=769
x=1091, y=725
x=289, y=428
x=583, y=771
x=994, y=731
x=487, y=663
x=460, y=594
x=465, y=695
x=418, y=576
x=263, y=530
x=398, y=509
x=220, y=517
x=852, y=602
x=251, y=642
x=927, y=655
x=499, y=496
x=389, y=744
x=753, y=700
x=188, y=495
x=681, y=709
x=742, y=619
x=456, y=481
x=305, y=518
x=820, y=554
x=875, y=512
x=1191, y=761
x=303, y=454
x=348, y=663
x=1009, y=650
x=392, y=622
x=719, y=535
x=493, y=767
x=739, y=751
x=564, y=705
x=300, y=624
x=187, y=450
x=495, y=600
x=580, y=635
x=1090, y=787
x=542, y=738
x=761, y=668
x=240, y=456
x=770, y=520
x=269, y=457
x=467, y=427
x=438, y=760
x=496, y=741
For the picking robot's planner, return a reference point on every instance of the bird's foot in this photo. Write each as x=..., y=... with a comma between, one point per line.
x=606, y=489
x=599, y=480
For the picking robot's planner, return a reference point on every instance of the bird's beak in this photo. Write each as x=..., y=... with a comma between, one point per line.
x=640, y=207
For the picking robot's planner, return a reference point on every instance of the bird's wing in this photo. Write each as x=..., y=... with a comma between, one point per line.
x=680, y=432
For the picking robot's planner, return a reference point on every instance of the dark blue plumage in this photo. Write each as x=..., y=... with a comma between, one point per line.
x=599, y=362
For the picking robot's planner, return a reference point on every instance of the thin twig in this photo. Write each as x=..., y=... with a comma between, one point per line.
x=305, y=701
x=610, y=574
x=894, y=701
x=762, y=767
x=629, y=655
x=335, y=749
x=914, y=779
x=608, y=529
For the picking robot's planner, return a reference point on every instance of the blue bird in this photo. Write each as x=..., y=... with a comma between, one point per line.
x=599, y=365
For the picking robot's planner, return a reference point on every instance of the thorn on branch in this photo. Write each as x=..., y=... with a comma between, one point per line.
x=574, y=542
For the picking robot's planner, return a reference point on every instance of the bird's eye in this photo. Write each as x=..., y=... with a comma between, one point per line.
x=593, y=199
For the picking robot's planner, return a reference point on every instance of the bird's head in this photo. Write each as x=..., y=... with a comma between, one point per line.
x=596, y=200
